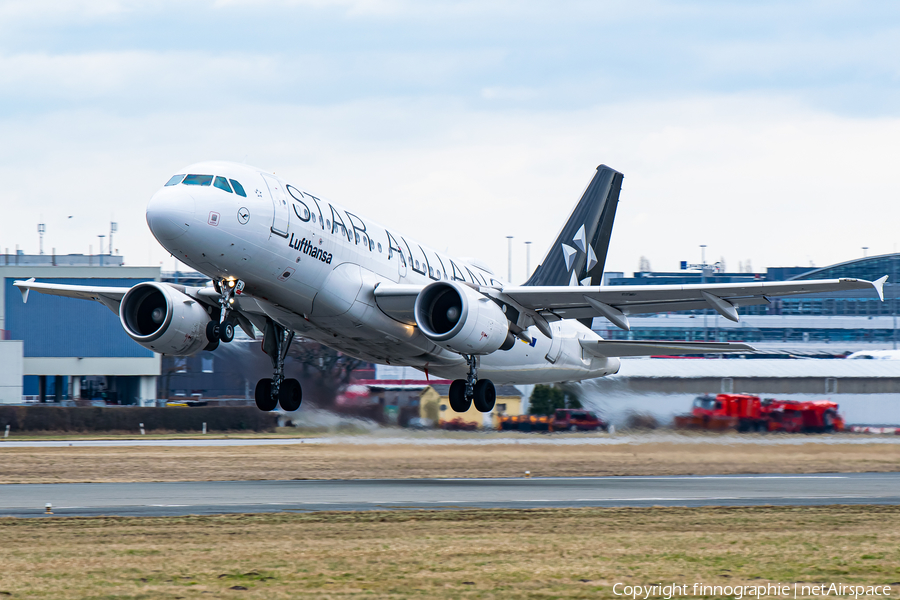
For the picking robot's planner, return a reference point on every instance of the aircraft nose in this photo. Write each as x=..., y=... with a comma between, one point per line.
x=170, y=213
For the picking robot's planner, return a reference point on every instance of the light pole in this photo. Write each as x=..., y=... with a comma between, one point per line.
x=41, y=229
x=865, y=250
x=509, y=239
x=703, y=281
x=113, y=227
x=527, y=260
x=894, y=296
x=101, y=236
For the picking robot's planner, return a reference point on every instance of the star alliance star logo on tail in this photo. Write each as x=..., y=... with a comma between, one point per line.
x=570, y=253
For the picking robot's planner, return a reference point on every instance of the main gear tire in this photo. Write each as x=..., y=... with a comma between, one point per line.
x=458, y=401
x=264, y=399
x=291, y=395
x=485, y=395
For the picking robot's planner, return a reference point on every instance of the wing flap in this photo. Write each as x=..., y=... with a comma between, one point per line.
x=617, y=348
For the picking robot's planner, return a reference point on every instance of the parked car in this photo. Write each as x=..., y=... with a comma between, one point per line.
x=576, y=419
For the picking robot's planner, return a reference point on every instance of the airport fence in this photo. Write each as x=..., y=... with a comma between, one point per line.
x=96, y=418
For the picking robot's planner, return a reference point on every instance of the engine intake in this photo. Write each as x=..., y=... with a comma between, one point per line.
x=163, y=319
x=462, y=319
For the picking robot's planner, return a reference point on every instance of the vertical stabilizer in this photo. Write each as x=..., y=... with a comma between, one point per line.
x=578, y=255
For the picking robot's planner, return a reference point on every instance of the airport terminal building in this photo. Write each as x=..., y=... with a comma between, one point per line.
x=61, y=349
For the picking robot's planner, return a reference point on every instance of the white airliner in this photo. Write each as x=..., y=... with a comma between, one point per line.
x=285, y=260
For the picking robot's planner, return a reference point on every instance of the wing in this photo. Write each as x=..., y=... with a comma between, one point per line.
x=616, y=302
x=108, y=296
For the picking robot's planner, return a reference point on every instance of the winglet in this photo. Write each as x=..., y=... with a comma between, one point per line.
x=23, y=287
x=878, y=284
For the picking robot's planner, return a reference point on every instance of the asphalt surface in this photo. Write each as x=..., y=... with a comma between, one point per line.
x=492, y=438
x=217, y=497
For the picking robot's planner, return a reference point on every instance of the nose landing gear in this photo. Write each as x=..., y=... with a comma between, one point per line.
x=278, y=390
x=464, y=392
x=221, y=328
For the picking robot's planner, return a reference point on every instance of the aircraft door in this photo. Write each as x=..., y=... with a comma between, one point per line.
x=401, y=264
x=282, y=208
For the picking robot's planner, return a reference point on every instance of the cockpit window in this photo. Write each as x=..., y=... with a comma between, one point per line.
x=198, y=180
x=176, y=179
x=222, y=184
x=238, y=188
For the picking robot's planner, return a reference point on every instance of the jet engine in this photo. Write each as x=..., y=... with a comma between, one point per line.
x=161, y=318
x=461, y=319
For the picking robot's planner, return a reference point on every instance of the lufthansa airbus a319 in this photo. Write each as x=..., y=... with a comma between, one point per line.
x=290, y=262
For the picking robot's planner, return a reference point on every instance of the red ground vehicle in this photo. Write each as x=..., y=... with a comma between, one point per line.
x=811, y=416
x=749, y=413
x=575, y=419
x=563, y=419
x=726, y=411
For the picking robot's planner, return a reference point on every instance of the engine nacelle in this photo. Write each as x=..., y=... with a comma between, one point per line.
x=163, y=319
x=462, y=319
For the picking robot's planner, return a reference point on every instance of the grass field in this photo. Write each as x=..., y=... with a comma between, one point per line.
x=564, y=553
x=352, y=461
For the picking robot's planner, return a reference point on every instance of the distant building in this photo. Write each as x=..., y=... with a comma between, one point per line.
x=436, y=401
x=65, y=349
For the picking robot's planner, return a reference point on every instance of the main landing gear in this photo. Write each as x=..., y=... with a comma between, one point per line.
x=278, y=390
x=465, y=392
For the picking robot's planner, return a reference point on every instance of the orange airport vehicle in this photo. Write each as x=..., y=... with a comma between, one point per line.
x=745, y=412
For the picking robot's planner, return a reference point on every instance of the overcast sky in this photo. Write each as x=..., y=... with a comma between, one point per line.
x=769, y=131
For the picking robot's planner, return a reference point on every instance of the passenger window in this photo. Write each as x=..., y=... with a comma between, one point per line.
x=198, y=180
x=238, y=188
x=176, y=179
x=379, y=246
x=222, y=184
x=313, y=217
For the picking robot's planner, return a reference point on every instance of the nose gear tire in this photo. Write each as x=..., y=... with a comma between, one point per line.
x=226, y=331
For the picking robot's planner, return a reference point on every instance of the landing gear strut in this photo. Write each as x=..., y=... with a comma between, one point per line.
x=464, y=392
x=226, y=299
x=278, y=390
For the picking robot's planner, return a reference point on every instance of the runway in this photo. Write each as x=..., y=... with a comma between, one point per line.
x=492, y=438
x=216, y=497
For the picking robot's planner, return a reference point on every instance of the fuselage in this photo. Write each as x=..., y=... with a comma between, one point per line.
x=315, y=264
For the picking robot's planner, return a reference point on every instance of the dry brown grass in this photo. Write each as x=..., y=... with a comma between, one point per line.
x=508, y=554
x=349, y=461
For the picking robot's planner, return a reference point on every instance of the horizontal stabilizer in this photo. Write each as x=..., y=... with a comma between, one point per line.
x=608, y=348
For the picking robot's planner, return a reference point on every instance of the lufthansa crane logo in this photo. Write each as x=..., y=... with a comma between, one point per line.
x=243, y=215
